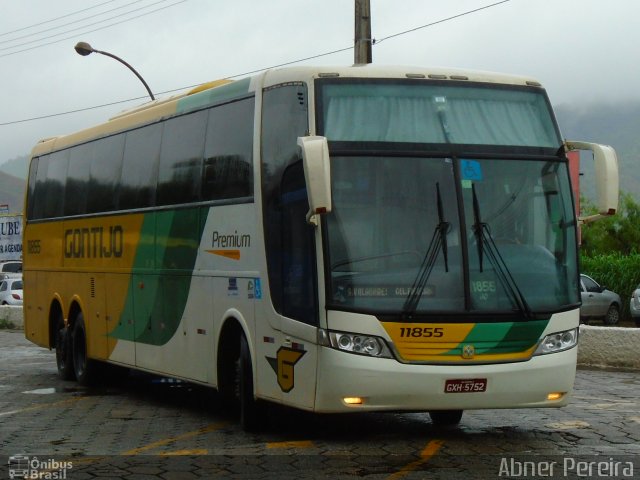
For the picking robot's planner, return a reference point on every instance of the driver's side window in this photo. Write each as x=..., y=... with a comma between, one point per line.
x=589, y=285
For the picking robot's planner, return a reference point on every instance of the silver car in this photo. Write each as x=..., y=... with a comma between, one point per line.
x=598, y=302
x=634, y=306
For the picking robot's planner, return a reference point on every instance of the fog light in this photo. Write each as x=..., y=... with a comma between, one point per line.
x=353, y=400
x=555, y=396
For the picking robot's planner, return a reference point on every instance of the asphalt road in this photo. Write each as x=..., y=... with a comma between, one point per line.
x=144, y=427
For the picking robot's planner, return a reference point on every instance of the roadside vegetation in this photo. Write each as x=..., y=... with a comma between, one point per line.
x=6, y=324
x=610, y=250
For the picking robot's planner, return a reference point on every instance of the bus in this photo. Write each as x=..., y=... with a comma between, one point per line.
x=333, y=239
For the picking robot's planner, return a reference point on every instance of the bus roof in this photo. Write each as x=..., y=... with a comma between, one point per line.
x=276, y=76
x=223, y=90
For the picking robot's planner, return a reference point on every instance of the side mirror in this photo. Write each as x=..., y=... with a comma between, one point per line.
x=606, y=163
x=317, y=174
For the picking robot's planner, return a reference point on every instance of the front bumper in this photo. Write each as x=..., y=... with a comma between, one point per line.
x=386, y=384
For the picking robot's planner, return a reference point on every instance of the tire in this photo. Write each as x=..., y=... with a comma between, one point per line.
x=83, y=367
x=445, y=418
x=613, y=315
x=64, y=357
x=251, y=410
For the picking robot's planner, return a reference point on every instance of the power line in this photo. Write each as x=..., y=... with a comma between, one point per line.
x=119, y=102
x=440, y=21
x=66, y=24
x=332, y=52
x=54, y=19
x=95, y=29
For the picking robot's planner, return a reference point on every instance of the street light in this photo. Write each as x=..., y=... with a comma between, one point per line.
x=84, y=49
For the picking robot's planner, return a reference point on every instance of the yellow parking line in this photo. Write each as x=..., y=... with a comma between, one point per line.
x=291, y=444
x=186, y=453
x=429, y=451
x=167, y=441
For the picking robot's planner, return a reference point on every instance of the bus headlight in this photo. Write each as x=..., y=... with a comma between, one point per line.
x=557, y=342
x=355, y=343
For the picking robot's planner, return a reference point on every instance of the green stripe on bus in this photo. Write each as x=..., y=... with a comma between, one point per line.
x=156, y=301
x=214, y=96
x=503, y=337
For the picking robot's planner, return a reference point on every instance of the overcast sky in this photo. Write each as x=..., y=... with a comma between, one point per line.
x=581, y=50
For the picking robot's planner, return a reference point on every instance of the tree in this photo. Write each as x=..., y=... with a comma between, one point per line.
x=619, y=233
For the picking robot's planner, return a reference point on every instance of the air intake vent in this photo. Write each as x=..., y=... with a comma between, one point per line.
x=92, y=287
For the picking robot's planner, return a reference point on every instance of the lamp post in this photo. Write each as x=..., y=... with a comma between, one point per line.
x=84, y=49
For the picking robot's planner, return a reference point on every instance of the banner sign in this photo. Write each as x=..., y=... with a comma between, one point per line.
x=10, y=237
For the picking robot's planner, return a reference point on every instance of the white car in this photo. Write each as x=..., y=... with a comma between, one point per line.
x=11, y=291
x=634, y=306
x=11, y=268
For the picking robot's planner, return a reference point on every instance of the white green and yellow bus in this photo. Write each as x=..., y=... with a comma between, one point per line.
x=332, y=239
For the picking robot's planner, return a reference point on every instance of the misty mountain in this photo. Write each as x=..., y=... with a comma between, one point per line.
x=18, y=166
x=12, y=192
x=617, y=125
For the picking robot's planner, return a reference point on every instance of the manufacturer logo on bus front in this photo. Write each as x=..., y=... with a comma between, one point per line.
x=468, y=351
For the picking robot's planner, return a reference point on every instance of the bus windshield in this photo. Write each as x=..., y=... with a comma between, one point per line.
x=425, y=233
x=435, y=113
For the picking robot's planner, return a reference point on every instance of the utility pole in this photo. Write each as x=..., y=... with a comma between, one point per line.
x=363, y=40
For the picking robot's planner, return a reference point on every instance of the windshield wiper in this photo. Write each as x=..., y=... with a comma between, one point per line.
x=437, y=244
x=485, y=241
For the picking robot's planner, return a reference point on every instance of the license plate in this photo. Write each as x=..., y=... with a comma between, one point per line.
x=465, y=385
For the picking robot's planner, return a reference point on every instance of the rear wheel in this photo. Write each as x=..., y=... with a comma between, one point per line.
x=84, y=367
x=445, y=418
x=613, y=315
x=64, y=359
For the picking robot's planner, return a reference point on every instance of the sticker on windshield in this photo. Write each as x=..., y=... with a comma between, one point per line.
x=471, y=170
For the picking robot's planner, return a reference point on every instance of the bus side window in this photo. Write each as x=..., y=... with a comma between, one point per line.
x=140, y=167
x=37, y=174
x=55, y=185
x=104, y=176
x=75, y=202
x=180, y=169
x=228, y=153
x=284, y=119
x=298, y=252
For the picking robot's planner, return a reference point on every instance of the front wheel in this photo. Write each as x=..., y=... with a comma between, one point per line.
x=84, y=367
x=445, y=418
x=613, y=315
x=251, y=410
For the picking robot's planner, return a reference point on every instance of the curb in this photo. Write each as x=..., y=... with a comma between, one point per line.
x=11, y=315
x=609, y=347
x=601, y=347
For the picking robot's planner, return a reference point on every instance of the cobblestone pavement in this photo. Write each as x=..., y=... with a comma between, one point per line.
x=145, y=427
